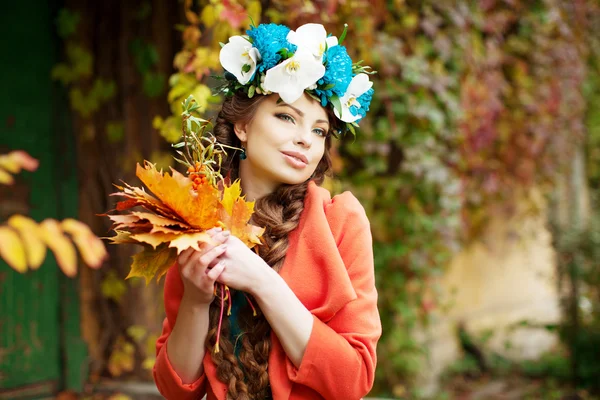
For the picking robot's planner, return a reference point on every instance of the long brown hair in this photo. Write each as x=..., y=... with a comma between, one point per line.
x=279, y=213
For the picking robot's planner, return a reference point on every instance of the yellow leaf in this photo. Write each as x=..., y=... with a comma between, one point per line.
x=122, y=358
x=6, y=178
x=148, y=363
x=230, y=195
x=14, y=161
x=151, y=262
x=197, y=208
x=112, y=287
x=154, y=239
x=90, y=247
x=208, y=16
x=63, y=249
x=12, y=249
x=35, y=249
x=235, y=214
x=119, y=396
x=137, y=332
x=121, y=237
x=254, y=9
x=187, y=240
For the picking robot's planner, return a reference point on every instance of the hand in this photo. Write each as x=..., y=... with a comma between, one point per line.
x=199, y=269
x=244, y=269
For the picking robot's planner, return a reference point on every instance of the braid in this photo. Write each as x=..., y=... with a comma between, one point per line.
x=279, y=212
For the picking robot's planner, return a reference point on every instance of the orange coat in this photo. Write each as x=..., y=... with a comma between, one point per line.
x=329, y=266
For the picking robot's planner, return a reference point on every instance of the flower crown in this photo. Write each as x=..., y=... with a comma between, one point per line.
x=274, y=59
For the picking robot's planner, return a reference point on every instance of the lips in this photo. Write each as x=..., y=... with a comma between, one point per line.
x=298, y=156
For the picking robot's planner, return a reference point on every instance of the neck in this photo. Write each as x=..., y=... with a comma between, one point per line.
x=253, y=187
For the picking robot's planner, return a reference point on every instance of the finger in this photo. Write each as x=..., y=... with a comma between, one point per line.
x=214, y=230
x=221, y=237
x=185, y=256
x=207, y=258
x=214, y=273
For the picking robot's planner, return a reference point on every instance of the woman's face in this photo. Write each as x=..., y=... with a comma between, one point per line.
x=284, y=143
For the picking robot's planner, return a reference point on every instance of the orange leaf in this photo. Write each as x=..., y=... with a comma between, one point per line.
x=187, y=240
x=158, y=220
x=12, y=249
x=63, y=249
x=126, y=204
x=91, y=248
x=151, y=262
x=28, y=229
x=154, y=239
x=197, y=208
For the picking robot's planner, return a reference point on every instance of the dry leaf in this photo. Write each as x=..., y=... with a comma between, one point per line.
x=198, y=209
x=154, y=239
x=35, y=249
x=61, y=246
x=187, y=240
x=91, y=248
x=12, y=249
x=151, y=262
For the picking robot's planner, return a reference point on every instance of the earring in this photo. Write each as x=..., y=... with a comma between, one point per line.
x=243, y=155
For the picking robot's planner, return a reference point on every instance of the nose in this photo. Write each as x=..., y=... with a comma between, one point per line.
x=303, y=137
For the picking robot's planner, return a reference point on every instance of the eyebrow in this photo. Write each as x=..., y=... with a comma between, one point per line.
x=300, y=112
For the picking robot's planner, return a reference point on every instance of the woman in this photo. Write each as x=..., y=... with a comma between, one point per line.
x=312, y=283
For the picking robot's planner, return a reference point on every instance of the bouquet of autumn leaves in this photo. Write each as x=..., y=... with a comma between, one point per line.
x=182, y=207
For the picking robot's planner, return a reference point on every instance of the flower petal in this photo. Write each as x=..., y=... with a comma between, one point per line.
x=358, y=86
x=332, y=41
x=294, y=75
x=346, y=115
x=312, y=37
x=237, y=53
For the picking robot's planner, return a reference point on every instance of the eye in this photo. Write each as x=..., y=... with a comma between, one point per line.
x=321, y=132
x=286, y=117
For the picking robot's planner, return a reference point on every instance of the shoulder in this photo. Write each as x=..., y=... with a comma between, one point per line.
x=342, y=211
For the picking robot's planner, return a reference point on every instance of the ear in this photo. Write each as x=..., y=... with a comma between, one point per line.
x=240, y=131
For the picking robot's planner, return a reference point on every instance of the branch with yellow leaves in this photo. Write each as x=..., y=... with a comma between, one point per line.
x=23, y=242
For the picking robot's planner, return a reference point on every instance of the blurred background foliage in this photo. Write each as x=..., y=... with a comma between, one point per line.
x=478, y=105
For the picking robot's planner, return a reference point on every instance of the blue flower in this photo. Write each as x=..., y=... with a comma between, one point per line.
x=365, y=101
x=338, y=72
x=269, y=39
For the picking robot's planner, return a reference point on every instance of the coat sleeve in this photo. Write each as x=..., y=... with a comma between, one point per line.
x=340, y=358
x=167, y=381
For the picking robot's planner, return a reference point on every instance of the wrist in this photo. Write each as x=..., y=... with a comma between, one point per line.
x=189, y=303
x=267, y=280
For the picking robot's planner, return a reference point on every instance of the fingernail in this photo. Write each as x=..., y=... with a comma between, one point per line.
x=226, y=233
x=223, y=246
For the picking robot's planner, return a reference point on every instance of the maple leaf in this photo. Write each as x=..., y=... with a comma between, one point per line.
x=187, y=240
x=154, y=239
x=152, y=262
x=197, y=208
x=235, y=214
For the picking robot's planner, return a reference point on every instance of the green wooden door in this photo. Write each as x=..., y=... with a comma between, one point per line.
x=40, y=348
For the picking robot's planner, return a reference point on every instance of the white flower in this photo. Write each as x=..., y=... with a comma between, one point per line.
x=292, y=76
x=358, y=86
x=239, y=55
x=314, y=38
